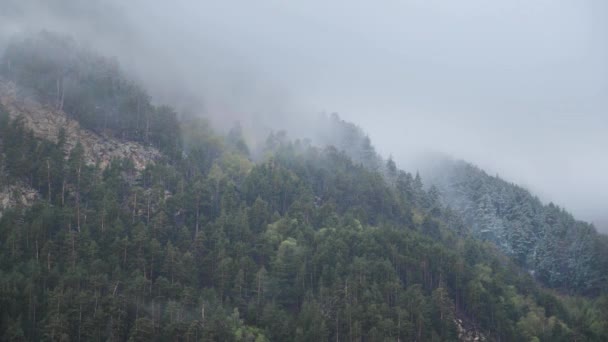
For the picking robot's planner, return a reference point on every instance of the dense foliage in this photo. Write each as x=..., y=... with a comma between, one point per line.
x=564, y=253
x=89, y=88
x=305, y=245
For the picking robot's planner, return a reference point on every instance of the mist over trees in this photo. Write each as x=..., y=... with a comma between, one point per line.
x=562, y=251
x=307, y=243
x=478, y=73
x=89, y=88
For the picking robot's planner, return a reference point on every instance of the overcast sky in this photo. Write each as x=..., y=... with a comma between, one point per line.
x=518, y=87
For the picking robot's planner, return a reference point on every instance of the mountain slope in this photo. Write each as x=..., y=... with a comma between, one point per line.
x=49, y=124
x=203, y=244
x=562, y=252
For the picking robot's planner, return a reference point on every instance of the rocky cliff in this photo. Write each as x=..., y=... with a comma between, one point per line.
x=16, y=196
x=46, y=122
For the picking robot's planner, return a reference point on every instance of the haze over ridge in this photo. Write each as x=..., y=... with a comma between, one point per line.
x=518, y=88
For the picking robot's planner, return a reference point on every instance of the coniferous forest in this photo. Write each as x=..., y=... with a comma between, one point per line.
x=295, y=242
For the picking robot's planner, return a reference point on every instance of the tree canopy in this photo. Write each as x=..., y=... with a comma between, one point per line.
x=307, y=244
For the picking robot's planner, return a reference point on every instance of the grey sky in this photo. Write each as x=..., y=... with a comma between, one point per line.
x=518, y=87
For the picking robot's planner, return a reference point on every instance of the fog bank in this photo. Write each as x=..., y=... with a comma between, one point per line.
x=520, y=88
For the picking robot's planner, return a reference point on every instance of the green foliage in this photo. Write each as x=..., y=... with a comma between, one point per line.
x=564, y=253
x=305, y=245
x=89, y=88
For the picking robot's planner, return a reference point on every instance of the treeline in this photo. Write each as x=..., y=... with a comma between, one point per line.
x=349, y=138
x=563, y=253
x=89, y=88
x=306, y=246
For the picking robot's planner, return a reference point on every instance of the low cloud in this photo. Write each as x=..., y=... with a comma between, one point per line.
x=518, y=87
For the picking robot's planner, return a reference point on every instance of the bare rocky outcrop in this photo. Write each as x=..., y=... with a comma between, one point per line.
x=16, y=196
x=468, y=333
x=46, y=122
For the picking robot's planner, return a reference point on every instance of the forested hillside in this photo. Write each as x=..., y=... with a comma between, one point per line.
x=90, y=88
x=205, y=244
x=562, y=252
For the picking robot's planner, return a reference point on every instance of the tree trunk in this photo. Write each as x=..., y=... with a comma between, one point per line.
x=147, y=136
x=198, y=201
x=48, y=178
x=124, y=256
x=337, y=326
x=62, y=94
x=103, y=214
x=134, y=208
x=148, y=216
x=73, y=251
x=62, y=192
x=78, y=196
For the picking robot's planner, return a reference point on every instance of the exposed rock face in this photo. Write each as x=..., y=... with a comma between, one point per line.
x=46, y=123
x=16, y=195
x=467, y=333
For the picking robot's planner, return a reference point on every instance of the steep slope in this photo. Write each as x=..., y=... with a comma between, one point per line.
x=348, y=137
x=305, y=245
x=65, y=77
x=86, y=86
x=561, y=251
x=49, y=123
x=16, y=196
x=53, y=125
